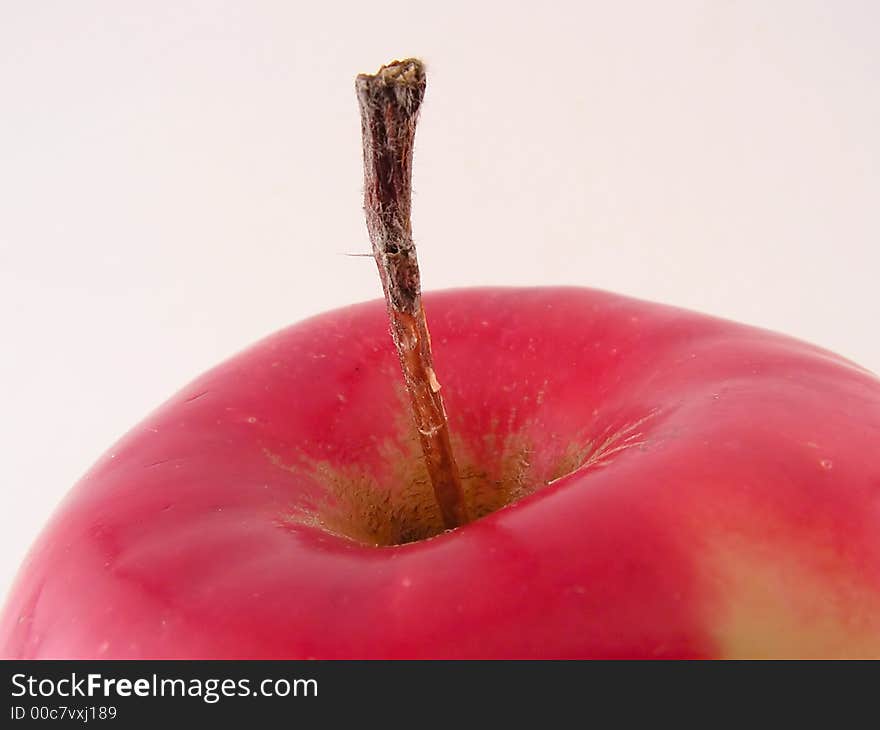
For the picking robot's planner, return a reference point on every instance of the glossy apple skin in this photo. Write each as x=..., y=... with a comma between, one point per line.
x=739, y=517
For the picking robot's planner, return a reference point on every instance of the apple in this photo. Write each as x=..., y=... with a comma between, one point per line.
x=646, y=482
x=597, y=477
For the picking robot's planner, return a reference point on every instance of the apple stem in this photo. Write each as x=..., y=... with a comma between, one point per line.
x=389, y=102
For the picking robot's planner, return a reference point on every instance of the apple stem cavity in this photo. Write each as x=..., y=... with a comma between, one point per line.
x=389, y=103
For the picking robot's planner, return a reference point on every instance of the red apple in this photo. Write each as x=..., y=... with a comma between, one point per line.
x=653, y=483
x=623, y=479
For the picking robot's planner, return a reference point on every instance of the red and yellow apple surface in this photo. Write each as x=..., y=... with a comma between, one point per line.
x=647, y=482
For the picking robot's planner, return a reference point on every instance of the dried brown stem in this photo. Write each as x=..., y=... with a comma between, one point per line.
x=389, y=102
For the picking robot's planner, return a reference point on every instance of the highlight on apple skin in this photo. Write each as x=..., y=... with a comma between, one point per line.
x=645, y=482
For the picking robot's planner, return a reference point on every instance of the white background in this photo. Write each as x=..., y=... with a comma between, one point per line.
x=178, y=179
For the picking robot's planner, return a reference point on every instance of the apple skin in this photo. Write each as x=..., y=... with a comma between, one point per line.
x=730, y=506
